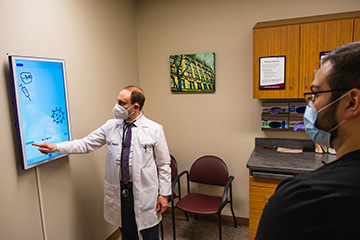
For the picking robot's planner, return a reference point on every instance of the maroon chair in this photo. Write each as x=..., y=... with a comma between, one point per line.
x=210, y=170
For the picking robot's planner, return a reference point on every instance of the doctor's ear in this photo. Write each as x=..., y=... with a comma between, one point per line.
x=136, y=106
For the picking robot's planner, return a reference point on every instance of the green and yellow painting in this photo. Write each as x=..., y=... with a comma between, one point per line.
x=192, y=72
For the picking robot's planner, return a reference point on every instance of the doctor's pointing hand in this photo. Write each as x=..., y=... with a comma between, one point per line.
x=46, y=147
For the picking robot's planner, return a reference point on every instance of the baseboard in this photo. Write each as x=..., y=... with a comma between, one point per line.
x=115, y=235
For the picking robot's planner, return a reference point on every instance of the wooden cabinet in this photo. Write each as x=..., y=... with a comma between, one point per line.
x=277, y=41
x=260, y=190
x=316, y=38
x=357, y=29
x=301, y=41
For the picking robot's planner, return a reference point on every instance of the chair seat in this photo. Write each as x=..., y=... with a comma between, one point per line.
x=199, y=203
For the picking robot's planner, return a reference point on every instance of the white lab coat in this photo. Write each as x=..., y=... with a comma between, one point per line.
x=151, y=174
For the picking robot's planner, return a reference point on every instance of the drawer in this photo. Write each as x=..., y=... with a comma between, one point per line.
x=259, y=196
x=264, y=182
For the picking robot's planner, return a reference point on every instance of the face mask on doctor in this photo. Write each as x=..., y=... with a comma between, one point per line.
x=317, y=135
x=121, y=113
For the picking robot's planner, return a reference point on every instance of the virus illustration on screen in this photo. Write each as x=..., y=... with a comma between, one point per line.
x=58, y=115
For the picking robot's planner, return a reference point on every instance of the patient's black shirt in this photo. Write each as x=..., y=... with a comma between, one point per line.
x=324, y=204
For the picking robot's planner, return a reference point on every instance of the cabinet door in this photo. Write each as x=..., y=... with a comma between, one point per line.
x=277, y=41
x=316, y=38
x=357, y=30
x=254, y=219
x=259, y=196
x=260, y=190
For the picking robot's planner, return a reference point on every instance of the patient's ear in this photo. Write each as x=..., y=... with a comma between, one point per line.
x=353, y=104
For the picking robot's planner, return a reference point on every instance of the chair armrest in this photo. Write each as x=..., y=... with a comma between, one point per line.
x=225, y=193
x=177, y=180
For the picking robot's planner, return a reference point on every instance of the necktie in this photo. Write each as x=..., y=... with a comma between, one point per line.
x=125, y=154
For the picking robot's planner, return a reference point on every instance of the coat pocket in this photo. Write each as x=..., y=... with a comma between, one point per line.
x=111, y=198
x=148, y=199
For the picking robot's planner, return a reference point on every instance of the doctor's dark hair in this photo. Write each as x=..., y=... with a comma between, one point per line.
x=137, y=95
x=344, y=72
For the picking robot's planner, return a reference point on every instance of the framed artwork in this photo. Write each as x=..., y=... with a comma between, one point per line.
x=192, y=72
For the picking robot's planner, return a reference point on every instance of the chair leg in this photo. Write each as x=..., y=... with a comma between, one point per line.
x=233, y=214
x=220, y=233
x=162, y=230
x=231, y=207
x=173, y=222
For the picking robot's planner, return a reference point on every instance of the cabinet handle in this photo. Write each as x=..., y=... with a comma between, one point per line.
x=280, y=176
x=291, y=78
x=306, y=80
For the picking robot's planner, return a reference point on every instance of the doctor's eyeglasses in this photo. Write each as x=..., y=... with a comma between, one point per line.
x=311, y=96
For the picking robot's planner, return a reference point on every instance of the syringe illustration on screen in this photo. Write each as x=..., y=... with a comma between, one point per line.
x=26, y=78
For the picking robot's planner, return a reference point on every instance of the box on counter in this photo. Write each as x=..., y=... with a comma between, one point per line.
x=297, y=108
x=275, y=108
x=271, y=122
x=296, y=123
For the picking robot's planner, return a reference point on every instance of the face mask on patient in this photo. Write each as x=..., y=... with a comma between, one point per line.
x=318, y=135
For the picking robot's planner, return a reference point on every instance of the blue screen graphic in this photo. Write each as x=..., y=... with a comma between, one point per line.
x=41, y=106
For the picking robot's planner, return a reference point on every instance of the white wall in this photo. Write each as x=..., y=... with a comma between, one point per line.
x=224, y=123
x=98, y=41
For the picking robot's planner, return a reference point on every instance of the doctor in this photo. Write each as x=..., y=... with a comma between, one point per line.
x=135, y=195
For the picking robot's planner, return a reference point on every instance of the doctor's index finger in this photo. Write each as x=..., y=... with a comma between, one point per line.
x=37, y=144
x=45, y=145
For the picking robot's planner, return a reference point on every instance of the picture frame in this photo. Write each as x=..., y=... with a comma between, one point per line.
x=192, y=72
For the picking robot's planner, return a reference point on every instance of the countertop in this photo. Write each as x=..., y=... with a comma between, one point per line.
x=290, y=163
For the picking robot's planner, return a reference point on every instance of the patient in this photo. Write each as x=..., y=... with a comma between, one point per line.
x=325, y=204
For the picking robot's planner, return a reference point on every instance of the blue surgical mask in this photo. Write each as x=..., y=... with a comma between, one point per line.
x=317, y=135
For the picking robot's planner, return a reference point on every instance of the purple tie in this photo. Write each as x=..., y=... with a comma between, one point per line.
x=125, y=154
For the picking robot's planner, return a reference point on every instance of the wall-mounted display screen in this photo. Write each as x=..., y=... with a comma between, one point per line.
x=41, y=106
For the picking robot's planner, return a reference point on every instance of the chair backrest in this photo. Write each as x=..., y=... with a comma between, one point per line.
x=174, y=168
x=209, y=170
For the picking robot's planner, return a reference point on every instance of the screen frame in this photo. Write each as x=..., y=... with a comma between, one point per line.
x=17, y=108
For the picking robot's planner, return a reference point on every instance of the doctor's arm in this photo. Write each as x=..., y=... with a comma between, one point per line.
x=90, y=143
x=162, y=156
